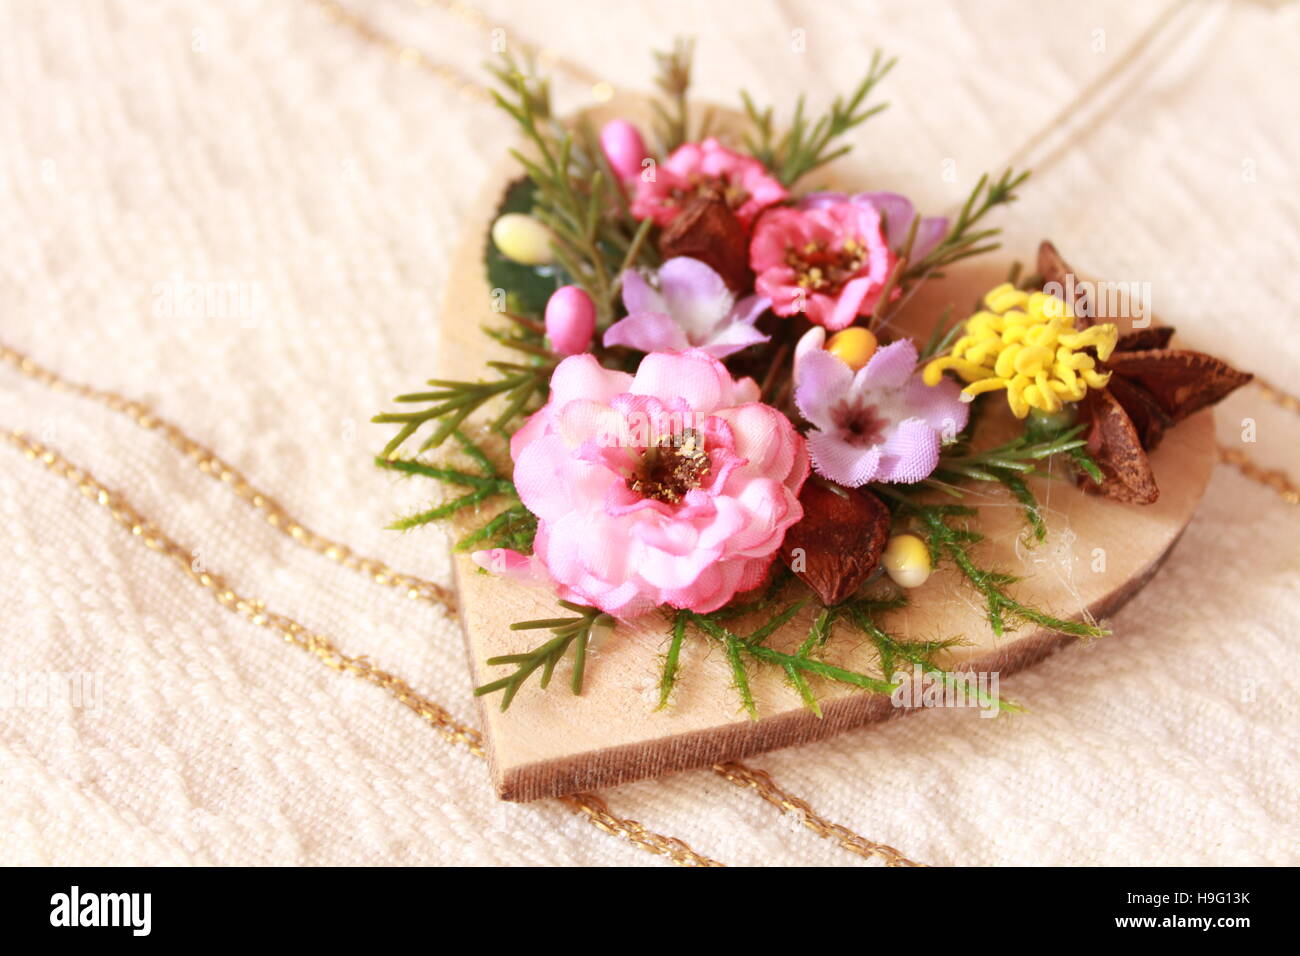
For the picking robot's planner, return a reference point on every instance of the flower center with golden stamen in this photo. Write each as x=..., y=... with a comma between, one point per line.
x=820, y=268
x=670, y=467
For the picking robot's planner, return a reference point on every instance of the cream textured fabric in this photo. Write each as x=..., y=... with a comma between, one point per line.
x=261, y=144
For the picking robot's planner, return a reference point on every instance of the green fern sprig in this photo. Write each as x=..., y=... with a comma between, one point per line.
x=964, y=239
x=798, y=667
x=514, y=527
x=673, y=80
x=954, y=544
x=806, y=147
x=593, y=241
x=570, y=632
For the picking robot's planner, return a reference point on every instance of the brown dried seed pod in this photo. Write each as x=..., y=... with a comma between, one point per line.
x=1114, y=445
x=838, y=542
x=706, y=229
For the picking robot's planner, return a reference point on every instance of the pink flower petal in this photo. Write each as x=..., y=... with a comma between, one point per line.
x=823, y=383
x=890, y=367
x=910, y=453
x=647, y=332
x=694, y=295
x=581, y=376
x=639, y=295
x=841, y=462
x=701, y=380
x=520, y=568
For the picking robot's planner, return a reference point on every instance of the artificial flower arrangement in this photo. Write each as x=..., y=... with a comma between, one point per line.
x=708, y=419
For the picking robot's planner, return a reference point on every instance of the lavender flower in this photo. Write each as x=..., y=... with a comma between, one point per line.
x=882, y=423
x=691, y=308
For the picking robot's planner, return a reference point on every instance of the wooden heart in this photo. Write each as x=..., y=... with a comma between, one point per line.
x=1097, y=555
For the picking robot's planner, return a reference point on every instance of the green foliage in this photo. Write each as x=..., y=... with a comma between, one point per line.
x=964, y=238
x=1010, y=465
x=513, y=527
x=570, y=632
x=574, y=195
x=949, y=539
x=527, y=288
x=942, y=336
x=798, y=667
x=1019, y=456
x=673, y=80
x=806, y=147
x=1085, y=463
x=451, y=402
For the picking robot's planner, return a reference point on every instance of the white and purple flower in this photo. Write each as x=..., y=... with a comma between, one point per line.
x=882, y=423
x=691, y=308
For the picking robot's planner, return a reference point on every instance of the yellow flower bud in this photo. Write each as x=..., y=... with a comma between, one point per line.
x=522, y=239
x=853, y=346
x=906, y=560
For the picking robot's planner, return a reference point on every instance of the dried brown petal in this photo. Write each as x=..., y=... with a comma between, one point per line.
x=1053, y=268
x=1156, y=337
x=1146, y=414
x=1181, y=381
x=706, y=229
x=839, y=540
x=1114, y=445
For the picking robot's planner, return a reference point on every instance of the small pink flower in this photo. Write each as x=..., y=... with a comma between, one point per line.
x=570, y=320
x=882, y=423
x=622, y=145
x=671, y=487
x=830, y=262
x=703, y=169
x=897, y=212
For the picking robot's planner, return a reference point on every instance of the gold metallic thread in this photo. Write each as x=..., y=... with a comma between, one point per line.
x=1277, y=396
x=762, y=783
x=592, y=807
x=1272, y=478
x=214, y=467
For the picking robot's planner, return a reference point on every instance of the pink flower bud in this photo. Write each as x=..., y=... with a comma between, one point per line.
x=623, y=147
x=570, y=320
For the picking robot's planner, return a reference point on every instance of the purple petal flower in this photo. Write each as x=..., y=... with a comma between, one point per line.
x=882, y=423
x=691, y=308
x=897, y=212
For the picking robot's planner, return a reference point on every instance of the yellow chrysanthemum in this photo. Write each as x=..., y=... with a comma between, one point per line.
x=1026, y=342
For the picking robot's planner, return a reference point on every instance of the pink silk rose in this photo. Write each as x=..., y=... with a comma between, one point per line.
x=671, y=487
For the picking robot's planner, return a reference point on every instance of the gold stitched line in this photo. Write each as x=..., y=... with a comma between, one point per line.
x=461, y=82
x=140, y=415
x=214, y=467
x=1273, y=478
x=407, y=56
x=592, y=807
x=761, y=782
x=1277, y=396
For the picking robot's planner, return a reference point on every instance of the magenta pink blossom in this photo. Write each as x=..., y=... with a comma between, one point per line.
x=882, y=423
x=622, y=145
x=671, y=487
x=570, y=320
x=706, y=168
x=897, y=212
x=830, y=262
